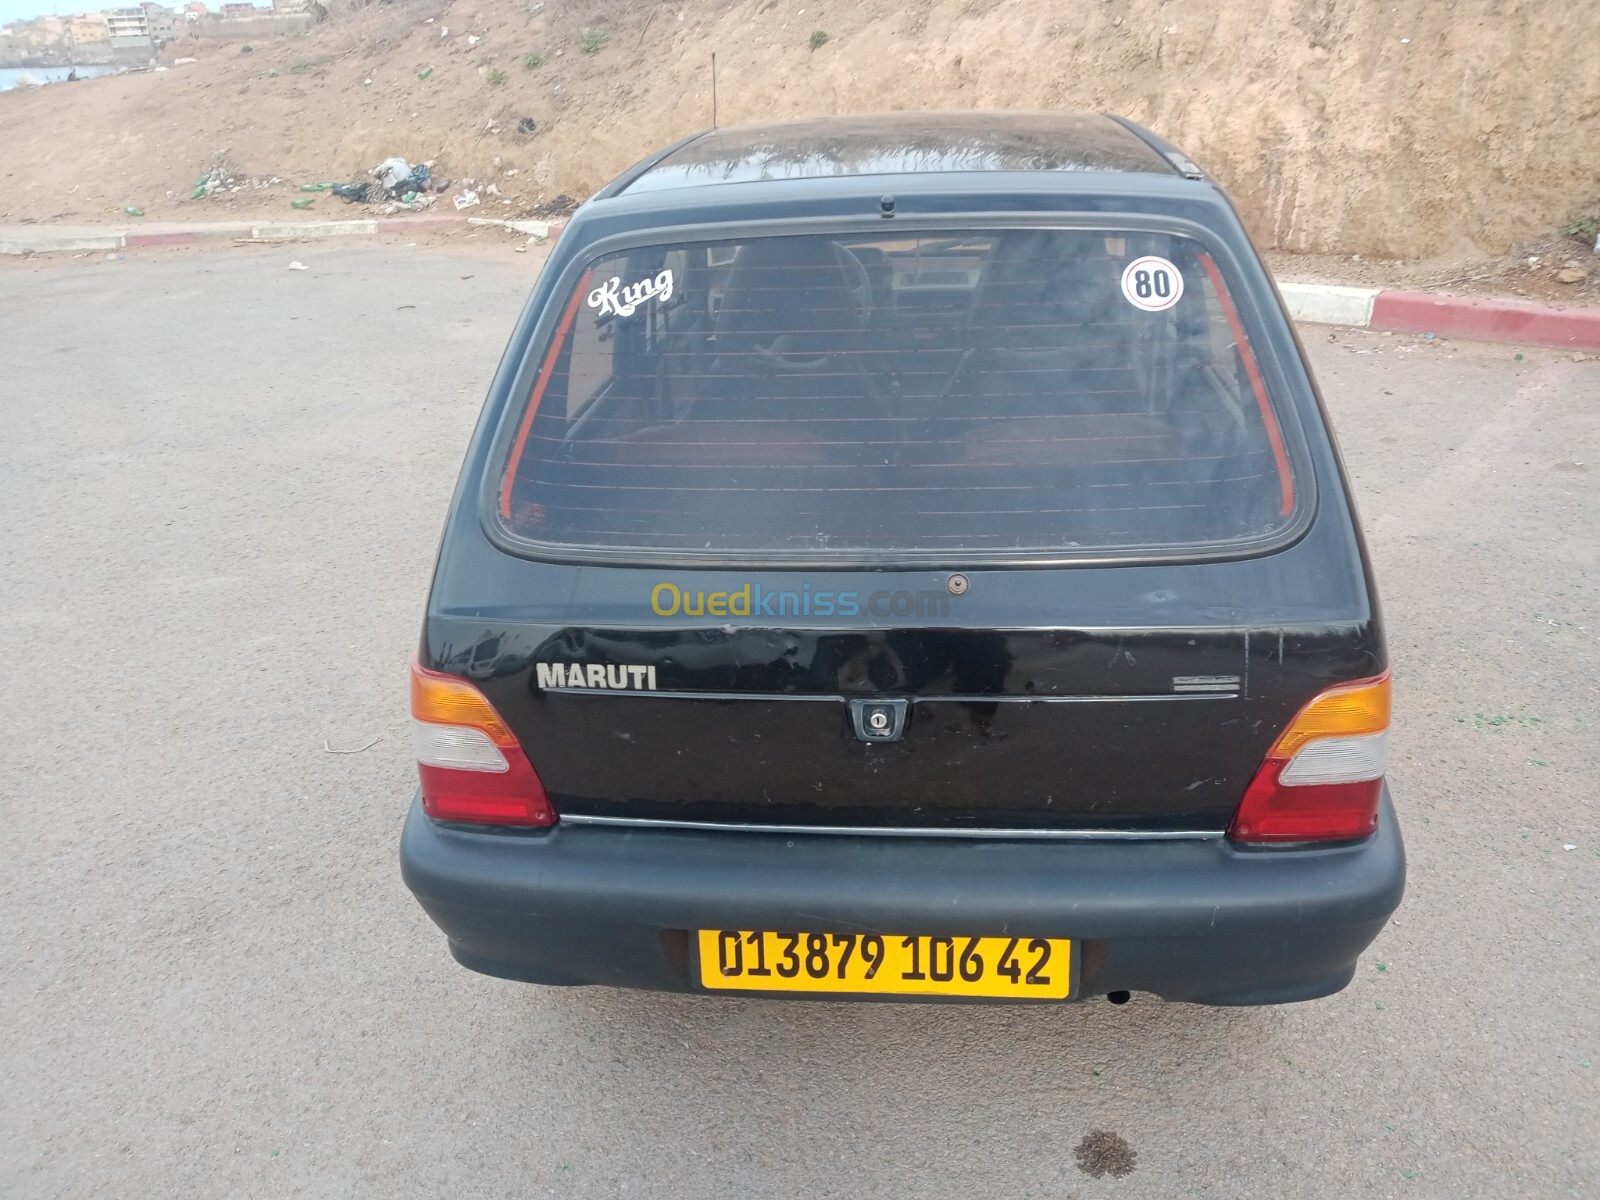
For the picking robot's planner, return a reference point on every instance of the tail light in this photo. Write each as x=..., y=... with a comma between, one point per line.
x=472, y=766
x=1322, y=778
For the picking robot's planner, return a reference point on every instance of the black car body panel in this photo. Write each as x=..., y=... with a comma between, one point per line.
x=1046, y=698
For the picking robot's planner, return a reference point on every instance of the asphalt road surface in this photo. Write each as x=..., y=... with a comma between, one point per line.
x=222, y=483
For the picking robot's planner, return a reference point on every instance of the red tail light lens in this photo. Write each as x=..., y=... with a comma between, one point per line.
x=472, y=766
x=1322, y=779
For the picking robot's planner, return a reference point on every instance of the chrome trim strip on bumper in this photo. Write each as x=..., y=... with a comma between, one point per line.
x=666, y=695
x=1065, y=835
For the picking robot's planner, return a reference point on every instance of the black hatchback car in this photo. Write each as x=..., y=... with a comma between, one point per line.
x=906, y=557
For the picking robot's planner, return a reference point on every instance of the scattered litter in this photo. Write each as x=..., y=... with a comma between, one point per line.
x=411, y=202
x=134, y=212
x=183, y=62
x=398, y=176
x=473, y=39
x=298, y=266
x=397, y=180
x=425, y=72
x=223, y=175
x=357, y=750
x=526, y=125
x=391, y=171
x=368, y=79
x=444, y=31
x=305, y=203
x=466, y=199
x=1568, y=846
x=562, y=206
x=491, y=190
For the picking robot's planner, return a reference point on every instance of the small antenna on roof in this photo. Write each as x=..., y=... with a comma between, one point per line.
x=713, y=91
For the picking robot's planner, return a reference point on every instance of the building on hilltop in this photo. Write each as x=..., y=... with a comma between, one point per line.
x=161, y=20
x=127, y=25
x=88, y=31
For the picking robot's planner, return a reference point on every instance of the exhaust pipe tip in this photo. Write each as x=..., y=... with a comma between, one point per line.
x=1119, y=997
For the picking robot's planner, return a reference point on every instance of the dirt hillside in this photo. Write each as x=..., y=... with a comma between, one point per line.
x=1343, y=126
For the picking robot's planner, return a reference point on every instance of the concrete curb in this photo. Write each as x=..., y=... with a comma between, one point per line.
x=1488, y=320
x=1470, y=317
x=56, y=239
x=293, y=230
x=30, y=244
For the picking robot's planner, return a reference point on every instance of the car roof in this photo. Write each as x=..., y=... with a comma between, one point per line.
x=906, y=143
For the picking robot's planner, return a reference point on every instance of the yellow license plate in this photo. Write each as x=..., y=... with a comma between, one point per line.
x=872, y=964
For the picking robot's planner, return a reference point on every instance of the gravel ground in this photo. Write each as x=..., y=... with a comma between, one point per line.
x=222, y=484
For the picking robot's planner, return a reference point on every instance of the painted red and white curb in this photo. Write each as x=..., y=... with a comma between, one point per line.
x=47, y=240
x=1484, y=319
x=1468, y=317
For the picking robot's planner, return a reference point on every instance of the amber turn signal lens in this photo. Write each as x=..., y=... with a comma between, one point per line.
x=445, y=700
x=1346, y=711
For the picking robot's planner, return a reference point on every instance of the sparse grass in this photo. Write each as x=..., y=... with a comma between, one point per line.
x=592, y=40
x=819, y=39
x=532, y=60
x=495, y=78
x=371, y=29
x=301, y=68
x=1583, y=228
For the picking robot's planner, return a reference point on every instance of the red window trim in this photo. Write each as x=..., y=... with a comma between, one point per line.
x=1253, y=371
x=514, y=460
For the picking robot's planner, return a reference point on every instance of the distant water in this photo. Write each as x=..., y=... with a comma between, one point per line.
x=10, y=77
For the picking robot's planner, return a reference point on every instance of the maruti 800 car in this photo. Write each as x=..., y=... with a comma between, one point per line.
x=906, y=557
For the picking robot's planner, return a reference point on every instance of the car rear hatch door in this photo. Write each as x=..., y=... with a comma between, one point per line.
x=1024, y=488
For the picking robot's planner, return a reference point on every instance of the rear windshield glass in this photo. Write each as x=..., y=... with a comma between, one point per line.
x=1012, y=392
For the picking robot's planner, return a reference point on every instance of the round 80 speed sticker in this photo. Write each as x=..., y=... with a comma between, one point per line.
x=1152, y=284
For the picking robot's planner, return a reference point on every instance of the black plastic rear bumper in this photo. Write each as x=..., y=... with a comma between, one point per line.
x=1187, y=920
